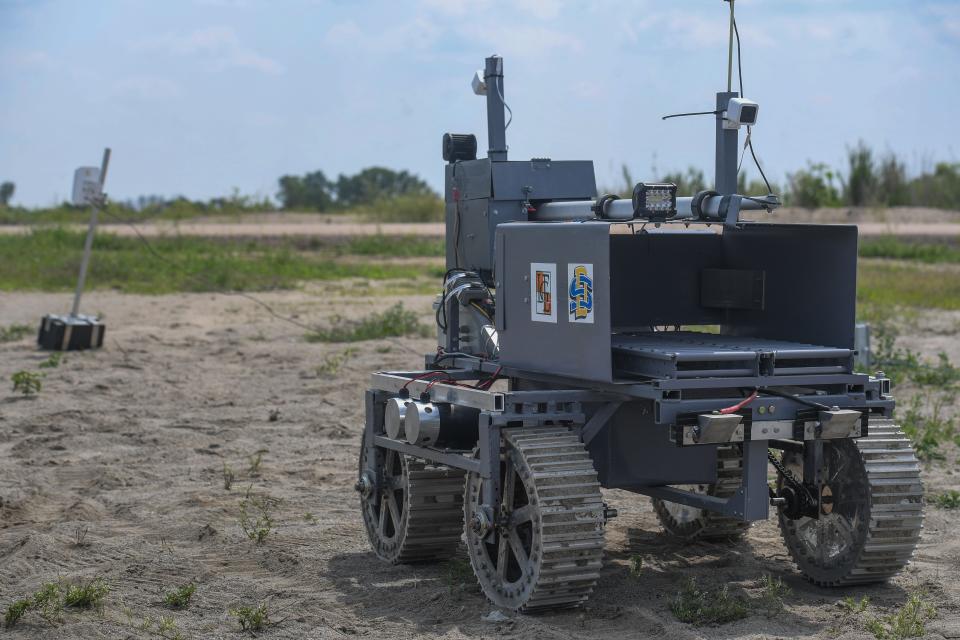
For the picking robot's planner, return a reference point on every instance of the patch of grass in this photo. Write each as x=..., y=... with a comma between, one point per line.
x=52, y=597
x=406, y=208
x=54, y=361
x=15, y=332
x=458, y=575
x=899, y=249
x=393, y=246
x=47, y=259
x=908, y=622
x=334, y=361
x=772, y=593
x=697, y=606
x=852, y=606
x=228, y=476
x=86, y=596
x=27, y=383
x=636, y=565
x=948, y=500
x=15, y=611
x=252, y=618
x=903, y=364
x=394, y=322
x=910, y=285
x=943, y=375
x=928, y=431
x=256, y=517
x=179, y=597
x=309, y=517
x=255, y=461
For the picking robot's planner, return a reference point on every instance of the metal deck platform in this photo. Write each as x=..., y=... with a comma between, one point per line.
x=689, y=354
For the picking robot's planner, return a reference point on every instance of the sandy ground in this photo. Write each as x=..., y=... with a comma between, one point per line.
x=129, y=443
x=900, y=221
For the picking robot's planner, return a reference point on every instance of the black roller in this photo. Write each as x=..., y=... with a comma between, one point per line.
x=459, y=146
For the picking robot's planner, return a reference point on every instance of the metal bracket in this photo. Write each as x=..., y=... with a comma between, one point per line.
x=598, y=421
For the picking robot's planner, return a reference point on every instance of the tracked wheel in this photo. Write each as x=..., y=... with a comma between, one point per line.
x=691, y=523
x=412, y=510
x=870, y=523
x=544, y=548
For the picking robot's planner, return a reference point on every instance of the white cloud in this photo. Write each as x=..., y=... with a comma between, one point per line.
x=219, y=47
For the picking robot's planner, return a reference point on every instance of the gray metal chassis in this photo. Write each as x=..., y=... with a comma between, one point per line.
x=590, y=406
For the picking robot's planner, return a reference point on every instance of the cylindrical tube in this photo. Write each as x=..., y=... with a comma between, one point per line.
x=622, y=210
x=393, y=417
x=428, y=424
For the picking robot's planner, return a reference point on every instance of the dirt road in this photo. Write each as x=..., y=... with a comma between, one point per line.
x=117, y=469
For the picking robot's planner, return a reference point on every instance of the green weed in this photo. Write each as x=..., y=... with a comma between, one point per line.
x=928, y=432
x=15, y=332
x=694, y=605
x=948, y=500
x=256, y=519
x=15, y=611
x=773, y=592
x=52, y=597
x=255, y=461
x=27, y=382
x=228, y=476
x=852, y=606
x=908, y=622
x=334, y=361
x=636, y=565
x=252, y=618
x=458, y=575
x=54, y=361
x=394, y=322
x=179, y=597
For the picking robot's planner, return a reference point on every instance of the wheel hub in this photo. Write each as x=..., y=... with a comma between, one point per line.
x=365, y=485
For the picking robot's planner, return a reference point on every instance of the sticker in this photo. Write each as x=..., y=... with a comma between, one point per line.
x=581, y=292
x=543, y=291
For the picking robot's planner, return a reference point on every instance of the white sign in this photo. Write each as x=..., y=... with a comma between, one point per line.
x=86, y=185
x=580, y=292
x=543, y=291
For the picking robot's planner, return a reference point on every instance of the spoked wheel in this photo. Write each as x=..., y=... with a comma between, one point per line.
x=871, y=510
x=691, y=523
x=544, y=549
x=412, y=510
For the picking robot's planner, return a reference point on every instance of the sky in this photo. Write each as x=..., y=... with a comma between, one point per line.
x=202, y=97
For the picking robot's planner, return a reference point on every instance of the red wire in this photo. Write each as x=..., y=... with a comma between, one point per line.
x=741, y=404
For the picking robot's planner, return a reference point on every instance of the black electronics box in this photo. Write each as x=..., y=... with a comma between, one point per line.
x=70, y=333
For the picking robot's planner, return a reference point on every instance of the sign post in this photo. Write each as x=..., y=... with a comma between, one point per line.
x=77, y=331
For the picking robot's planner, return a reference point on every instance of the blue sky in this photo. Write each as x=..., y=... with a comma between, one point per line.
x=200, y=97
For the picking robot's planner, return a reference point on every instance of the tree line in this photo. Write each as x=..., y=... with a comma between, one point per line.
x=868, y=179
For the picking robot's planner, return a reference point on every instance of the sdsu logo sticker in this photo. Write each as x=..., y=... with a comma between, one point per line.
x=543, y=298
x=581, y=292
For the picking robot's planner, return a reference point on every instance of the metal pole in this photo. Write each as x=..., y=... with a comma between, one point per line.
x=496, y=127
x=88, y=243
x=730, y=53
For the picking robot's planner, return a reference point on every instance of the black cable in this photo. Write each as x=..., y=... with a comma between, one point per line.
x=692, y=113
x=753, y=154
x=209, y=283
x=800, y=399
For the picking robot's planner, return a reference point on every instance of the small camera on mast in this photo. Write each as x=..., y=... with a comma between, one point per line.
x=740, y=111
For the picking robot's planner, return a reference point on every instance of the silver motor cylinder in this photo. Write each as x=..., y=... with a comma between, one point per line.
x=393, y=417
x=422, y=423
